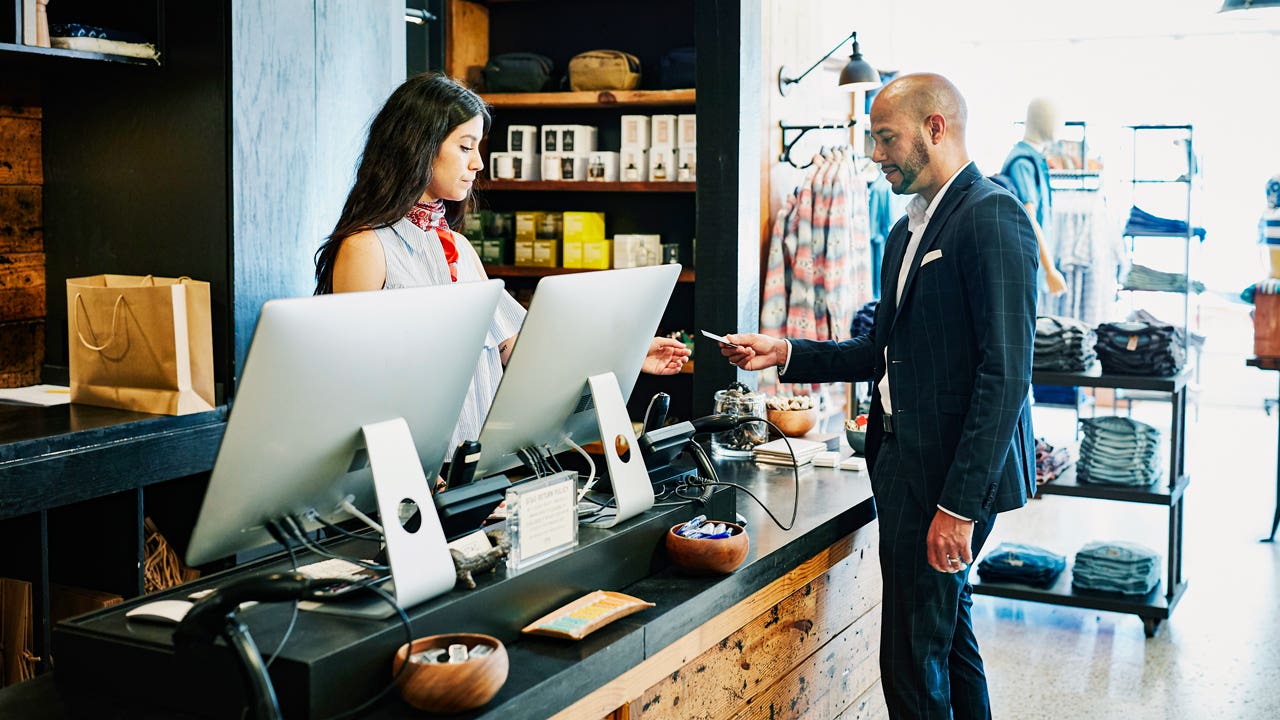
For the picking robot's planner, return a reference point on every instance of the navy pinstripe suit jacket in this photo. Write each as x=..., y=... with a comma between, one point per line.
x=960, y=344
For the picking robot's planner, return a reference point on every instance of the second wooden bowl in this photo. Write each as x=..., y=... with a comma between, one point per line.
x=708, y=556
x=451, y=687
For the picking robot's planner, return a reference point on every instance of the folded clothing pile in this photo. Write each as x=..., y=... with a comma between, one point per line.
x=1051, y=461
x=1119, y=451
x=1119, y=567
x=1063, y=345
x=1027, y=564
x=1139, y=348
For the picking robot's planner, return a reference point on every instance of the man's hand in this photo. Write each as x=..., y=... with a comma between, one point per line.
x=666, y=357
x=754, y=351
x=949, y=543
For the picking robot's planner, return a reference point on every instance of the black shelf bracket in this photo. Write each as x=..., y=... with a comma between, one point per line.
x=800, y=131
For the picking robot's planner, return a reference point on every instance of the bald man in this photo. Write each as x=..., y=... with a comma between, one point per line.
x=950, y=441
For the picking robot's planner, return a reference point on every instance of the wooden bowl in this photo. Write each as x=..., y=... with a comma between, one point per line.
x=705, y=555
x=451, y=687
x=794, y=423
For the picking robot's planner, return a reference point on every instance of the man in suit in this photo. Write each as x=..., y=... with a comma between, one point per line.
x=949, y=441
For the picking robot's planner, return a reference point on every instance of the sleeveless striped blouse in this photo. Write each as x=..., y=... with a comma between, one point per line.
x=415, y=259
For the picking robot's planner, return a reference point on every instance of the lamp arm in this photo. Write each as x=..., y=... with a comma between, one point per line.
x=830, y=52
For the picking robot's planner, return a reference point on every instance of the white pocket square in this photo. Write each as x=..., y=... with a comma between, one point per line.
x=930, y=257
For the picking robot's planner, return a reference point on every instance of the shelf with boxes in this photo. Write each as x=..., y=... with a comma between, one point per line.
x=659, y=148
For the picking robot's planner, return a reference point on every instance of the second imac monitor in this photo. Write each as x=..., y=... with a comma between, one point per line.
x=580, y=326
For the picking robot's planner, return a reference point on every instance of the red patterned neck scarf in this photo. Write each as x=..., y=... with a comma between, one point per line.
x=430, y=216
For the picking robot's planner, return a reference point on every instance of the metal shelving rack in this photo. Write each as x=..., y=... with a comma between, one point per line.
x=1157, y=605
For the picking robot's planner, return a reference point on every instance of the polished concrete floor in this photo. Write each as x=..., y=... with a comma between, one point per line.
x=1218, y=656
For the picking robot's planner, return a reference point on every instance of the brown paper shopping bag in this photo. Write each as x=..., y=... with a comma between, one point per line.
x=16, y=632
x=140, y=343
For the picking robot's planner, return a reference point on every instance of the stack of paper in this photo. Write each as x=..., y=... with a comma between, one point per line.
x=775, y=452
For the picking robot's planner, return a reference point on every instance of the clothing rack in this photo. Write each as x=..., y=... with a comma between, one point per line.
x=800, y=131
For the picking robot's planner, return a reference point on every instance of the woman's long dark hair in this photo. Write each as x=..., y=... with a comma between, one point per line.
x=395, y=167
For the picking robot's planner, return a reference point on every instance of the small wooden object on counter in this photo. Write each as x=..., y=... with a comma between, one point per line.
x=708, y=555
x=445, y=687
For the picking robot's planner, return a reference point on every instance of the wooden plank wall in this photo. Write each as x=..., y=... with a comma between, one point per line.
x=813, y=655
x=22, y=261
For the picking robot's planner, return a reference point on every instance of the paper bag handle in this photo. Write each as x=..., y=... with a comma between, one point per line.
x=75, y=316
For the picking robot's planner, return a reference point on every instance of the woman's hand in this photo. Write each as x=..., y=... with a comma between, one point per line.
x=666, y=356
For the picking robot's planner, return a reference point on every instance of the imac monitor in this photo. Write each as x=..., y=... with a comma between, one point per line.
x=320, y=373
x=579, y=326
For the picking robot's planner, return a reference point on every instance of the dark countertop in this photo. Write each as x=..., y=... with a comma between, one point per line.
x=58, y=455
x=547, y=675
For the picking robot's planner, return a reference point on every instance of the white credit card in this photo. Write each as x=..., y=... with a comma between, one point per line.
x=719, y=338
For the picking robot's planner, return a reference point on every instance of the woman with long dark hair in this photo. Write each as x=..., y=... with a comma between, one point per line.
x=415, y=178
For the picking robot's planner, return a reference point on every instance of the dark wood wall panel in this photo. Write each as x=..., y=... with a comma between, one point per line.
x=22, y=260
x=135, y=162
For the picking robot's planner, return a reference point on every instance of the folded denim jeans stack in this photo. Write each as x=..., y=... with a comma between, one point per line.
x=1120, y=567
x=1141, y=277
x=1027, y=564
x=1139, y=348
x=1118, y=451
x=1063, y=345
x=1051, y=461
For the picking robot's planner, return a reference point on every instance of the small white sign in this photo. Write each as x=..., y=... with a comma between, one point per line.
x=542, y=518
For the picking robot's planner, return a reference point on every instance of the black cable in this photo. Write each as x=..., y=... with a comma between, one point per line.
x=795, y=471
x=293, y=617
x=295, y=529
x=395, y=680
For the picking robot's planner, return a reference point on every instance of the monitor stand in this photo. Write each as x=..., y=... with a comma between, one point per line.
x=632, y=490
x=421, y=566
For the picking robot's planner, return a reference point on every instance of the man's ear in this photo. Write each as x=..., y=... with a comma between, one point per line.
x=936, y=126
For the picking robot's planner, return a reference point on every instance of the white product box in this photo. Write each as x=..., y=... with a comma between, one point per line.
x=686, y=130
x=551, y=166
x=523, y=139
x=635, y=131
x=687, y=163
x=514, y=166
x=550, y=138
x=573, y=166
x=662, y=131
x=502, y=166
x=577, y=138
x=527, y=166
x=662, y=164
x=602, y=166
x=633, y=165
x=636, y=250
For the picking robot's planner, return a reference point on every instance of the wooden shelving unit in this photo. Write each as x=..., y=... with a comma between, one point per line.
x=593, y=99
x=520, y=271
x=76, y=54
x=587, y=186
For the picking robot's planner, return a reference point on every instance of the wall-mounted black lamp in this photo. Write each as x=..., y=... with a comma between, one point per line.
x=856, y=75
x=417, y=16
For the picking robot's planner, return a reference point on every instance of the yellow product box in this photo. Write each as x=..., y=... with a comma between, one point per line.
x=573, y=252
x=527, y=225
x=524, y=253
x=583, y=226
x=596, y=254
x=546, y=253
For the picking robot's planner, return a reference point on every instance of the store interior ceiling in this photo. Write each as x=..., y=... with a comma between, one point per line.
x=1114, y=64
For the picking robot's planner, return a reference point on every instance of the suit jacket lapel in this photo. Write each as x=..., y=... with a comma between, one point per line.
x=949, y=203
x=894, y=249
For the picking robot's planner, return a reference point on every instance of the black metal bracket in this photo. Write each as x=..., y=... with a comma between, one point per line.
x=800, y=130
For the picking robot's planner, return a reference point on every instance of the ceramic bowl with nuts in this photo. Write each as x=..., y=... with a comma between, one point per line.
x=794, y=415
